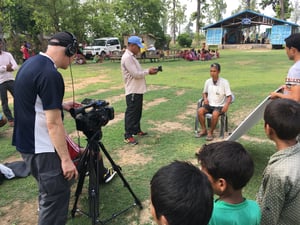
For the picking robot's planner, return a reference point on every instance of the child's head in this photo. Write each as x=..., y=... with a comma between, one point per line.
x=226, y=163
x=293, y=41
x=181, y=194
x=283, y=117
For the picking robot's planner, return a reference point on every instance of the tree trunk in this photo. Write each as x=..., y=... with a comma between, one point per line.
x=282, y=9
x=248, y=4
x=174, y=22
x=198, y=21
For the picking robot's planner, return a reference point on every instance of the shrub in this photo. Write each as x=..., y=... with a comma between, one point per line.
x=184, y=40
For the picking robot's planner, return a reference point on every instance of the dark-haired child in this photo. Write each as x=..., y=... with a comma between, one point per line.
x=279, y=193
x=229, y=167
x=181, y=195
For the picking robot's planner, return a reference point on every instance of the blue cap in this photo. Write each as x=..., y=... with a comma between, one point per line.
x=135, y=40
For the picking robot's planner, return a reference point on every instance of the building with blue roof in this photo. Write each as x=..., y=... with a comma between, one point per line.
x=244, y=28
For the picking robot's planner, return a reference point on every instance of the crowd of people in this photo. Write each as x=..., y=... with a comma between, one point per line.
x=201, y=54
x=180, y=193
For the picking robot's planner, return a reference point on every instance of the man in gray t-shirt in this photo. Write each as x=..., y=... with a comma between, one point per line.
x=291, y=89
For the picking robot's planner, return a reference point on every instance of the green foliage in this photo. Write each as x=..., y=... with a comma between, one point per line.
x=137, y=16
x=277, y=6
x=216, y=10
x=185, y=40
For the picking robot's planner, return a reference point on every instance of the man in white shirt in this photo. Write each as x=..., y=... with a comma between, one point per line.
x=135, y=87
x=216, y=100
x=7, y=66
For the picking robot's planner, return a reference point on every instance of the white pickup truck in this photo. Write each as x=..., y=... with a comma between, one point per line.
x=102, y=46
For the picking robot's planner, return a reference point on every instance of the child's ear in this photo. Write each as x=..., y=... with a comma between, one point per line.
x=269, y=130
x=222, y=184
x=163, y=220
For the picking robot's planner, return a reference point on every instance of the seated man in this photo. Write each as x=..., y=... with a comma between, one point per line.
x=216, y=100
x=3, y=120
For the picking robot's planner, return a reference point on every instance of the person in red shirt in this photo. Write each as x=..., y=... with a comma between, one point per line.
x=25, y=52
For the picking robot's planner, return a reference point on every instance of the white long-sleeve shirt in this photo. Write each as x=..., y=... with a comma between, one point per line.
x=5, y=59
x=133, y=74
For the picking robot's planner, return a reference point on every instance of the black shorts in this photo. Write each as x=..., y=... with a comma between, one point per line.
x=210, y=109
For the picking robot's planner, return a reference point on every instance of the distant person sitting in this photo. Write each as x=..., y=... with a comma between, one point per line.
x=217, y=54
x=151, y=48
x=279, y=193
x=3, y=120
x=97, y=58
x=229, y=167
x=79, y=58
x=217, y=97
x=143, y=50
x=181, y=195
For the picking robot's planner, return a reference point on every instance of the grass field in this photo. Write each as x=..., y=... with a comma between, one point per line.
x=169, y=110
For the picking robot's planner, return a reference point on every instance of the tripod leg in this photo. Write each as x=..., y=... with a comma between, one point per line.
x=94, y=184
x=82, y=167
x=118, y=170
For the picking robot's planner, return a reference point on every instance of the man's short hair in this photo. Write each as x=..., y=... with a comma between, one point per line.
x=293, y=41
x=283, y=116
x=228, y=160
x=182, y=193
x=216, y=65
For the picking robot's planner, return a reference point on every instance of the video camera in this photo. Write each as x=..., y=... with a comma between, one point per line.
x=92, y=116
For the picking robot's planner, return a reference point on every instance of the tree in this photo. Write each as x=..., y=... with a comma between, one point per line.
x=246, y=4
x=217, y=9
x=184, y=40
x=199, y=15
x=99, y=19
x=296, y=11
x=138, y=16
x=280, y=7
x=176, y=16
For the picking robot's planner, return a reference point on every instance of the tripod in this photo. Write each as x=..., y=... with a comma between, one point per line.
x=89, y=162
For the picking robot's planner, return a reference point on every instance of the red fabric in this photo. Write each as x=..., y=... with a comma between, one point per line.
x=74, y=149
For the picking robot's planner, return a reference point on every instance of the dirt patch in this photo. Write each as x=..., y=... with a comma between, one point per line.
x=7, y=133
x=84, y=82
x=169, y=127
x=18, y=213
x=255, y=139
x=190, y=112
x=145, y=216
x=13, y=158
x=155, y=102
x=129, y=155
x=243, y=63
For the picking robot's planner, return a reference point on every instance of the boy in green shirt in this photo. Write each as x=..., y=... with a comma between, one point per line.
x=229, y=167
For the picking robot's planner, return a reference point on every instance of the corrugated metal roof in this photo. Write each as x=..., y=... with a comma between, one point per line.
x=248, y=18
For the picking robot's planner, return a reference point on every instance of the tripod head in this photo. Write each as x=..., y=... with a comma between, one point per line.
x=92, y=116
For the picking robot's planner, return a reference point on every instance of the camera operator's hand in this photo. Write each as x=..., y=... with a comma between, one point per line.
x=69, y=105
x=153, y=70
x=69, y=169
